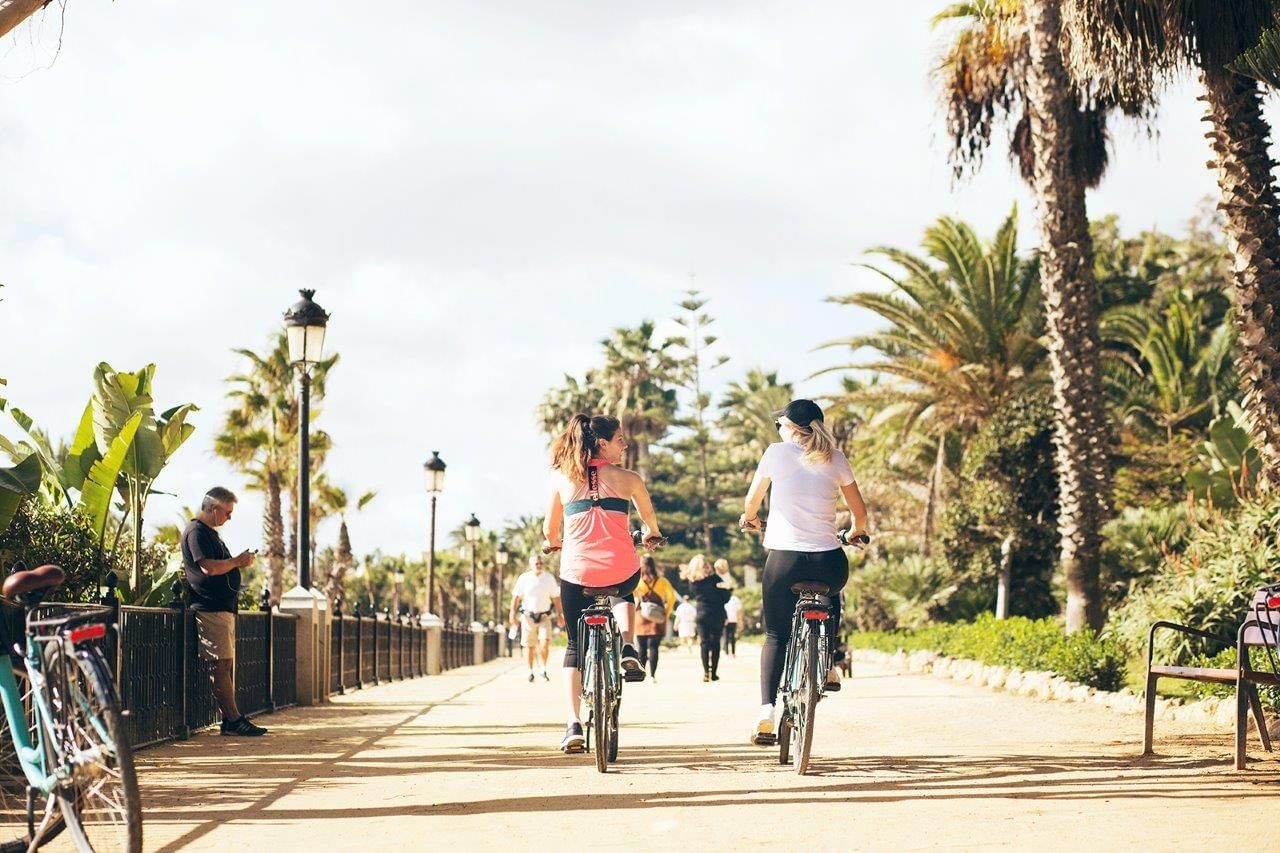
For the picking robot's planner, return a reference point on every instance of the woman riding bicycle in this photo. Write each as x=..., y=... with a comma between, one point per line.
x=808, y=475
x=588, y=517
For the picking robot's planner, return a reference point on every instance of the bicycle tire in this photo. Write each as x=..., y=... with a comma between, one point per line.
x=808, y=704
x=613, y=732
x=90, y=720
x=784, y=738
x=599, y=712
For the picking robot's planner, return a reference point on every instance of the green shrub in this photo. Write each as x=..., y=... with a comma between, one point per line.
x=1029, y=644
x=1209, y=585
x=884, y=595
x=1134, y=546
x=1008, y=488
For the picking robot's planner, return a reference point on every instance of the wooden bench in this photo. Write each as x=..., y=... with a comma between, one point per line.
x=1260, y=630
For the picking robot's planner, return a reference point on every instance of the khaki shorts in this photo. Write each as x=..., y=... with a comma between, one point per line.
x=217, y=635
x=530, y=628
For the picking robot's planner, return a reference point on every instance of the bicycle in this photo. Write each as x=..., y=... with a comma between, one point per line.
x=600, y=660
x=66, y=726
x=804, y=668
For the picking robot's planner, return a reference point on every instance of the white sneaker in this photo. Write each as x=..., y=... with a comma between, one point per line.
x=763, y=734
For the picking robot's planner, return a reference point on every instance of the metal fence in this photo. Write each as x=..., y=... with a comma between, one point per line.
x=458, y=647
x=371, y=649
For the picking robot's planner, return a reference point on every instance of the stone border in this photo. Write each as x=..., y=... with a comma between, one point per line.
x=1211, y=711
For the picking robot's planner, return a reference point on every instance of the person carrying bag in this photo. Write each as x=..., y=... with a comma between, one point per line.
x=655, y=599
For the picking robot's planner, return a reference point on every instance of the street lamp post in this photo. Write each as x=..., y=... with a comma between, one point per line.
x=434, y=468
x=305, y=324
x=502, y=556
x=472, y=527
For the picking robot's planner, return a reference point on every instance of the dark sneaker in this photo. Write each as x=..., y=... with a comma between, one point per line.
x=631, y=668
x=242, y=728
x=574, y=741
x=531, y=678
x=706, y=676
x=715, y=677
x=545, y=677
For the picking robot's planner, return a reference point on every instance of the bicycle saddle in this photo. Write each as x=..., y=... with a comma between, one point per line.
x=29, y=580
x=810, y=586
x=600, y=591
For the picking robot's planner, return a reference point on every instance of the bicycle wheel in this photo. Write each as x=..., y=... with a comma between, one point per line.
x=600, y=709
x=784, y=738
x=13, y=781
x=613, y=731
x=100, y=802
x=808, y=701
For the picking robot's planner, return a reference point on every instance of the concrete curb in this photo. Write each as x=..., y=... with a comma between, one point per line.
x=1212, y=711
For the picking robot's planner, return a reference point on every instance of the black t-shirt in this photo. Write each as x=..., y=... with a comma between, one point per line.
x=209, y=593
x=711, y=597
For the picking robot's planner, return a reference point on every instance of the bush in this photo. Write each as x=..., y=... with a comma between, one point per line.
x=898, y=592
x=1028, y=644
x=1134, y=546
x=1008, y=488
x=1209, y=585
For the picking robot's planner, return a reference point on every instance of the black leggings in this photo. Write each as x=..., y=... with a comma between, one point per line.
x=574, y=602
x=731, y=638
x=648, y=649
x=781, y=570
x=709, y=629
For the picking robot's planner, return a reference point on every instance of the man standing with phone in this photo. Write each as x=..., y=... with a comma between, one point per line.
x=214, y=577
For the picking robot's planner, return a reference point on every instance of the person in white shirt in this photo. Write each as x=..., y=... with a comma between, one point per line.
x=686, y=622
x=732, y=615
x=808, y=475
x=535, y=597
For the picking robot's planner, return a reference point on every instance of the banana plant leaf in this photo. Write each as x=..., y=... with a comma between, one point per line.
x=82, y=453
x=16, y=485
x=118, y=397
x=100, y=485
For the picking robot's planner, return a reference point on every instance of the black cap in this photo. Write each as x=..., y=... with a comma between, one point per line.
x=801, y=412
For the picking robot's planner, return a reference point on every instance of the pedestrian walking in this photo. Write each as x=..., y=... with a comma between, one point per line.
x=805, y=475
x=214, y=577
x=655, y=600
x=535, y=596
x=686, y=623
x=711, y=597
x=732, y=615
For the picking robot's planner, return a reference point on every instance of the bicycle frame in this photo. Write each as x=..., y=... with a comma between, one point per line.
x=792, y=667
x=31, y=756
x=606, y=631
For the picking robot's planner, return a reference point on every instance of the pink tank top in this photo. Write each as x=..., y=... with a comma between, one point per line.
x=598, y=550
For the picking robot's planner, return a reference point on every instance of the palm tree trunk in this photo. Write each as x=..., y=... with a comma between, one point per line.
x=935, y=494
x=1252, y=226
x=273, y=536
x=1070, y=302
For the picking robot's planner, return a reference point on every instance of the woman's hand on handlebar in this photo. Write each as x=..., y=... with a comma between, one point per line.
x=548, y=548
x=651, y=540
x=854, y=537
x=753, y=523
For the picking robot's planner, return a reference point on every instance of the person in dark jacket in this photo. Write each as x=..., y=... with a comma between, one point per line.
x=711, y=595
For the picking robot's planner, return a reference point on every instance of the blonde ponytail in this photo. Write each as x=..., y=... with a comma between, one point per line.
x=817, y=441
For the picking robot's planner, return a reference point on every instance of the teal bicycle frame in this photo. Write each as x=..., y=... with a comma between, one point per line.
x=32, y=756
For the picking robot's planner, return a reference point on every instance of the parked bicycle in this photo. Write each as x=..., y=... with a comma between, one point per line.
x=601, y=664
x=809, y=655
x=66, y=726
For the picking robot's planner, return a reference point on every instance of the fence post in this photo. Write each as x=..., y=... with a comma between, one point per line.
x=359, y=647
x=374, y=613
x=265, y=606
x=176, y=603
x=302, y=603
x=342, y=669
x=112, y=603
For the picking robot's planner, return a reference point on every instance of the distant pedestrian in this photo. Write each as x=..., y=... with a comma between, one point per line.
x=732, y=616
x=534, y=598
x=711, y=598
x=214, y=577
x=655, y=600
x=686, y=623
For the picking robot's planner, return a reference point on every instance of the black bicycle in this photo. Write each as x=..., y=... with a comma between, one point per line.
x=808, y=658
x=600, y=660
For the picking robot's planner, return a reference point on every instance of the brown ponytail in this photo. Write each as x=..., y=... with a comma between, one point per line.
x=578, y=444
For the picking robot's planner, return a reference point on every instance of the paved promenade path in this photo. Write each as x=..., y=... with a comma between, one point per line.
x=901, y=762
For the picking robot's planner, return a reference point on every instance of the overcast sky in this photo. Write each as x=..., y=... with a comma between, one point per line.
x=479, y=192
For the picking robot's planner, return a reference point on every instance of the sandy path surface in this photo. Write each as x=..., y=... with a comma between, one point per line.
x=900, y=762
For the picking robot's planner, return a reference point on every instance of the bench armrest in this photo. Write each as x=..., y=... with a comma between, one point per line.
x=1173, y=626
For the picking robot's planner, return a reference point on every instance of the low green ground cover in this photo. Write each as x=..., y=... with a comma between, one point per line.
x=1029, y=644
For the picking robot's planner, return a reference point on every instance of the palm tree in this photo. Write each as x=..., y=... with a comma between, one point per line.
x=331, y=500
x=1140, y=45
x=962, y=336
x=1012, y=48
x=636, y=388
x=259, y=436
x=564, y=402
x=746, y=412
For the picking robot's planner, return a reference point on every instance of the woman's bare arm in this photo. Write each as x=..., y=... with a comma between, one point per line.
x=755, y=497
x=552, y=526
x=644, y=506
x=857, y=508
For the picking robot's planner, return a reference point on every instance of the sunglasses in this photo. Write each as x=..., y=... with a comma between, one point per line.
x=777, y=424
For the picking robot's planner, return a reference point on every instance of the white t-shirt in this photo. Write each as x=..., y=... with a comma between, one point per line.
x=733, y=609
x=802, y=503
x=536, y=591
x=686, y=615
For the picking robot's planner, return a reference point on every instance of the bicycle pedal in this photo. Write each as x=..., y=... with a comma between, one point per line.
x=633, y=675
x=765, y=739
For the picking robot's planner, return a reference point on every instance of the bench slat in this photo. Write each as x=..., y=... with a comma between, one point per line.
x=1217, y=676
